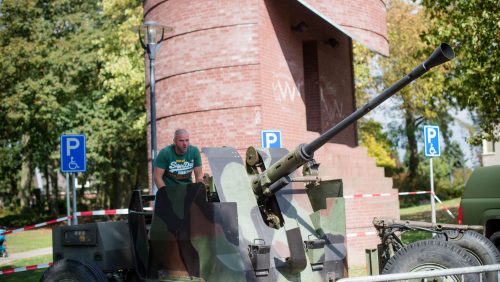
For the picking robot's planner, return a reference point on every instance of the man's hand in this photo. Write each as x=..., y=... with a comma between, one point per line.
x=198, y=174
x=159, y=177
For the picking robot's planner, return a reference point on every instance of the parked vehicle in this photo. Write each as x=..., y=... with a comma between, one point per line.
x=250, y=223
x=480, y=203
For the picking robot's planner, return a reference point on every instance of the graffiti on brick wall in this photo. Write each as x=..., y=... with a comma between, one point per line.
x=331, y=108
x=284, y=90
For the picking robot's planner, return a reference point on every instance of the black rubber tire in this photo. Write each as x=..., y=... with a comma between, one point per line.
x=72, y=270
x=480, y=247
x=429, y=255
x=495, y=239
x=476, y=244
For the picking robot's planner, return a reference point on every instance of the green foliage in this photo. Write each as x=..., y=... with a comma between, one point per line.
x=21, y=219
x=424, y=101
x=378, y=144
x=449, y=172
x=370, y=132
x=472, y=28
x=73, y=66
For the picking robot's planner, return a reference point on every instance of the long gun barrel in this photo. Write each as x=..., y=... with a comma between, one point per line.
x=276, y=176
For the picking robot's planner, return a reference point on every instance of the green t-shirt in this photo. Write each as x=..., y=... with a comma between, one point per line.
x=178, y=168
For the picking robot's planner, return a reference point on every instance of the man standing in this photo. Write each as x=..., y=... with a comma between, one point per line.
x=175, y=163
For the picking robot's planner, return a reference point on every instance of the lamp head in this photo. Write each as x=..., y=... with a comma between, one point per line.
x=152, y=32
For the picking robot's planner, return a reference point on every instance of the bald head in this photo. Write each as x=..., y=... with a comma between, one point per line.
x=180, y=131
x=181, y=141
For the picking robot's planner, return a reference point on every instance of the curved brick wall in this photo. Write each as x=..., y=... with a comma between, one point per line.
x=365, y=20
x=211, y=55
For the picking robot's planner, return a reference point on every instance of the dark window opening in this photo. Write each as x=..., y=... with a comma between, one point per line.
x=311, y=86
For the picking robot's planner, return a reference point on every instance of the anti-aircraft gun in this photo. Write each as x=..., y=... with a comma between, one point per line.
x=250, y=223
x=266, y=183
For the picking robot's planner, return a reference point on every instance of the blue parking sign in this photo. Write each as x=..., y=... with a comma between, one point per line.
x=270, y=138
x=431, y=141
x=73, y=152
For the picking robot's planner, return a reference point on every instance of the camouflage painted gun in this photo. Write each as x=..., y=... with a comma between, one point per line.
x=266, y=183
x=239, y=228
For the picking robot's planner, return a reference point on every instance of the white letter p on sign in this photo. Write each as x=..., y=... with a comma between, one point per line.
x=431, y=134
x=271, y=138
x=71, y=144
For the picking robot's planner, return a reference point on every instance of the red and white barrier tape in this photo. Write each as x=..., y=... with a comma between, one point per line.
x=84, y=213
x=25, y=268
x=361, y=234
x=102, y=212
x=445, y=207
x=414, y=193
x=38, y=225
x=357, y=196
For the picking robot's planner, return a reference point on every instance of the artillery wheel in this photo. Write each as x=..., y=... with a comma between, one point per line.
x=495, y=238
x=474, y=243
x=428, y=255
x=68, y=270
x=482, y=249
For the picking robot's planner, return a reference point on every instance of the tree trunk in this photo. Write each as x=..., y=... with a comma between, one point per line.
x=47, y=186
x=26, y=178
x=52, y=193
x=412, y=150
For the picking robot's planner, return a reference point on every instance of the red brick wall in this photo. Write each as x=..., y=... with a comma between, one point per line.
x=364, y=20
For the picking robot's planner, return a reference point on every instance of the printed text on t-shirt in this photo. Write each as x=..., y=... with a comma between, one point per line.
x=181, y=167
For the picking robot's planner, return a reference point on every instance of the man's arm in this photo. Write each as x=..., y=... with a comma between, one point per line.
x=159, y=177
x=198, y=174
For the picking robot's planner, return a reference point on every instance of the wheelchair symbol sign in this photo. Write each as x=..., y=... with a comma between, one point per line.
x=431, y=141
x=73, y=152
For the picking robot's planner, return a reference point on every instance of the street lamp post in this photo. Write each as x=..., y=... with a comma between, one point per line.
x=151, y=31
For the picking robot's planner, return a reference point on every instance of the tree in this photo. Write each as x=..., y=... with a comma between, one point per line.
x=44, y=67
x=71, y=66
x=472, y=28
x=117, y=113
x=422, y=101
x=378, y=144
x=370, y=132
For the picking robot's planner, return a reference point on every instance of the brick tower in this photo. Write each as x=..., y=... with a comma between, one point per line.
x=232, y=68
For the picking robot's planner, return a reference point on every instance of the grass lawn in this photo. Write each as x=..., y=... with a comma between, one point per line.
x=29, y=240
x=423, y=213
x=26, y=241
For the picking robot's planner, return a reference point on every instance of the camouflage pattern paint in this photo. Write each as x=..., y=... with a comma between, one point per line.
x=191, y=237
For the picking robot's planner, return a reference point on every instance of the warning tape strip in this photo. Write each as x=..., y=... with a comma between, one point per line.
x=25, y=268
x=84, y=213
x=361, y=234
x=38, y=225
x=102, y=212
x=445, y=207
x=357, y=196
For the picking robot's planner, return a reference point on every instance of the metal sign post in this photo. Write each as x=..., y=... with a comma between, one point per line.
x=73, y=160
x=68, y=204
x=431, y=149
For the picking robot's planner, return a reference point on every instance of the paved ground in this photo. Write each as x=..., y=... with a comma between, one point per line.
x=33, y=253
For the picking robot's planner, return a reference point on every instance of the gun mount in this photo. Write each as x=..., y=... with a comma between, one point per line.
x=265, y=183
